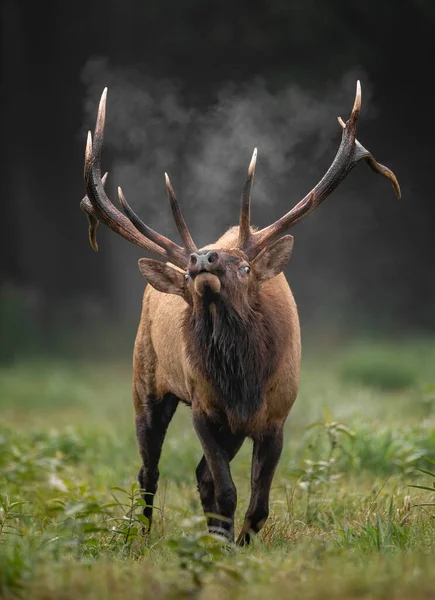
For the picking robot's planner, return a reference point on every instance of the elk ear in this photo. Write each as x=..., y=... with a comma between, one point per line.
x=272, y=260
x=162, y=277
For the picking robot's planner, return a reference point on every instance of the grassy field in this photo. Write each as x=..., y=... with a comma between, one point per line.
x=345, y=520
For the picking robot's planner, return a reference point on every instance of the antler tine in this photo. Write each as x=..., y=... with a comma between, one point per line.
x=361, y=151
x=349, y=154
x=99, y=131
x=98, y=206
x=148, y=232
x=93, y=222
x=95, y=216
x=188, y=242
x=372, y=163
x=385, y=171
x=245, y=203
x=356, y=108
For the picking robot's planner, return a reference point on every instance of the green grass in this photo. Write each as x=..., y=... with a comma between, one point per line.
x=382, y=369
x=345, y=520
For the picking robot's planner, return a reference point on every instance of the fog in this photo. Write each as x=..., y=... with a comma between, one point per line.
x=150, y=129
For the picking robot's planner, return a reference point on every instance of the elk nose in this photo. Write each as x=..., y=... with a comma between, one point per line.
x=206, y=261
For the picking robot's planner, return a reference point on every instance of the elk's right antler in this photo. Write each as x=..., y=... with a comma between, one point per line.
x=98, y=207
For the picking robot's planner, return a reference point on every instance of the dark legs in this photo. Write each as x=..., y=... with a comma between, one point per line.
x=151, y=426
x=216, y=487
x=266, y=453
x=206, y=485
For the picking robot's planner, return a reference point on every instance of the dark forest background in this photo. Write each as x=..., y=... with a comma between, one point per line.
x=193, y=87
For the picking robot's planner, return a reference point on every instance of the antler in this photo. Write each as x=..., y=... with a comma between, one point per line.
x=245, y=203
x=98, y=207
x=349, y=154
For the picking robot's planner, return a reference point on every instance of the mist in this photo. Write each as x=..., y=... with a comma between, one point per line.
x=150, y=129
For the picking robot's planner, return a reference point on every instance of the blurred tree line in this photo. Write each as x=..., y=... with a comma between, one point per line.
x=203, y=45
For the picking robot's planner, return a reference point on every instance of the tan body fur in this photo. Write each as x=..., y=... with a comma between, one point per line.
x=161, y=362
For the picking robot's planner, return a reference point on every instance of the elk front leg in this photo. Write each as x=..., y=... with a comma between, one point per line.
x=266, y=453
x=152, y=422
x=206, y=487
x=218, y=493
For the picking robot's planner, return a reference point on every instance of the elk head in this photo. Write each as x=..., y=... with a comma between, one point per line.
x=212, y=274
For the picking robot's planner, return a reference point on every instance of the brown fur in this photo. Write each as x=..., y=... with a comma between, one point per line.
x=165, y=359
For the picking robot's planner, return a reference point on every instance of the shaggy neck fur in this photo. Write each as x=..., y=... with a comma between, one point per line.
x=235, y=354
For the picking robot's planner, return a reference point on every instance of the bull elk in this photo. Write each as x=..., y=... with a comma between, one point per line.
x=219, y=331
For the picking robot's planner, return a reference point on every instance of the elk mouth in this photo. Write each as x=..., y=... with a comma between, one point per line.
x=207, y=285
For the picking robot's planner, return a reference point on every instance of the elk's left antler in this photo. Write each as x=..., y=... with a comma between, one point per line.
x=349, y=154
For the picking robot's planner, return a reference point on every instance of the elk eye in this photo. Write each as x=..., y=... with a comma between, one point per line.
x=245, y=269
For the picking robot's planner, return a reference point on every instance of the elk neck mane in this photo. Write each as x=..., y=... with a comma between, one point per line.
x=235, y=353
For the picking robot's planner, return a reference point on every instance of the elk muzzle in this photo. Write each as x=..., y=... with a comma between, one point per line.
x=203, y=268
x=203, y=261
